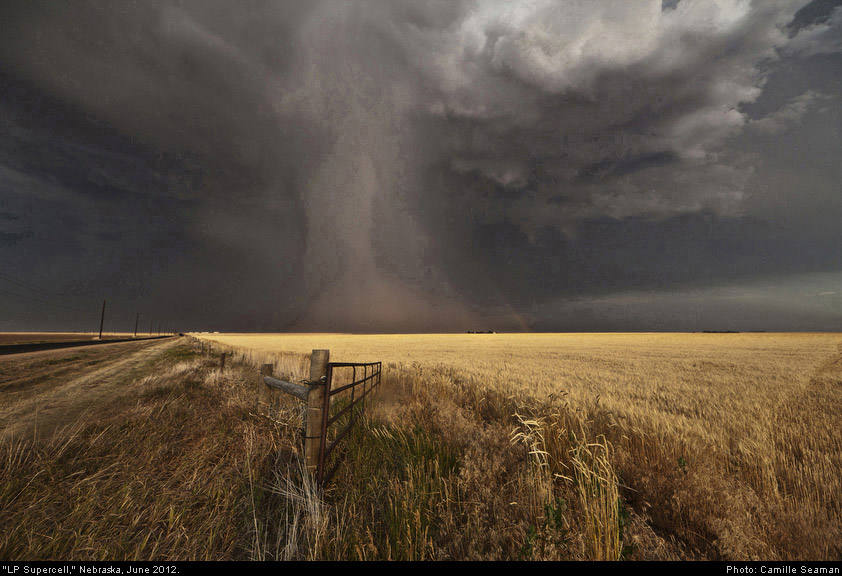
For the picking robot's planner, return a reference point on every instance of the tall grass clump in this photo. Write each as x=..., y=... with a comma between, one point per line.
x=599, y=501
x=575, y=482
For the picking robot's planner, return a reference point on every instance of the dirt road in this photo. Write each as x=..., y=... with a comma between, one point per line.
x=41, y=392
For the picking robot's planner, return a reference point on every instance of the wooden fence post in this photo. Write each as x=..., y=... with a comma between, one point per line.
x=315, y=406
x=222, y=361
x=262, y=389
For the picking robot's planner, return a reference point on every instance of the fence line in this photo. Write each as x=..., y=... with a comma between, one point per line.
x=325, y=391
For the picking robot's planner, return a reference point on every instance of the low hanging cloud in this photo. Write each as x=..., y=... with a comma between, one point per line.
x=370, y=152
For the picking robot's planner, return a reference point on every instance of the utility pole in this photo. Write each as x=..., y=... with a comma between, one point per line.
x=136, y=319
x=102, y=320
x=150, y=327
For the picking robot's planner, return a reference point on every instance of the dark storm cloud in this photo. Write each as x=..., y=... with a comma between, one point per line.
x=536, y=98
x=12, y=238
x=137, y=127
x=582, y=154
x=815, y=13
x=414, y=164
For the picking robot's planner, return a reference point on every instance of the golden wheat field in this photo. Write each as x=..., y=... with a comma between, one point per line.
x=730, y=441
x=721, y=387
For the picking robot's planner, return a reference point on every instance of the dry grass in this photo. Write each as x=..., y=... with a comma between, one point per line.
x=175, y=470
x=711, y=446
x=480, y=447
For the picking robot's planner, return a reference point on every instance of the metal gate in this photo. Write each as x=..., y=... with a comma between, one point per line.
x=335, y=394
x=344, y=404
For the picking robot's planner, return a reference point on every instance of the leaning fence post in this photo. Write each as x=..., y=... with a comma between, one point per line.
x=315, y=407
x=265, y=370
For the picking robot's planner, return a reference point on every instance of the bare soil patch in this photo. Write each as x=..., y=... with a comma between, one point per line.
x=42, y=391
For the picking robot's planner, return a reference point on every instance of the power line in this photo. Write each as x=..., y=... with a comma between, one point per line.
x=76, y=303
x=30, y=286
x=41, y=301
x=23, y=268
x=49, y=281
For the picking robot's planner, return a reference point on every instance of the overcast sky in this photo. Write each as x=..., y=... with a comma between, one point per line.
x=421, y=165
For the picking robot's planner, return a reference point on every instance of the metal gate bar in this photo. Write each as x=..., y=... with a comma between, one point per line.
x=368, y=382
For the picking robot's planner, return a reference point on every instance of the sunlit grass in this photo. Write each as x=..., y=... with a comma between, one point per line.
x=722, y=444
x=541, y=447
x=166, y=473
